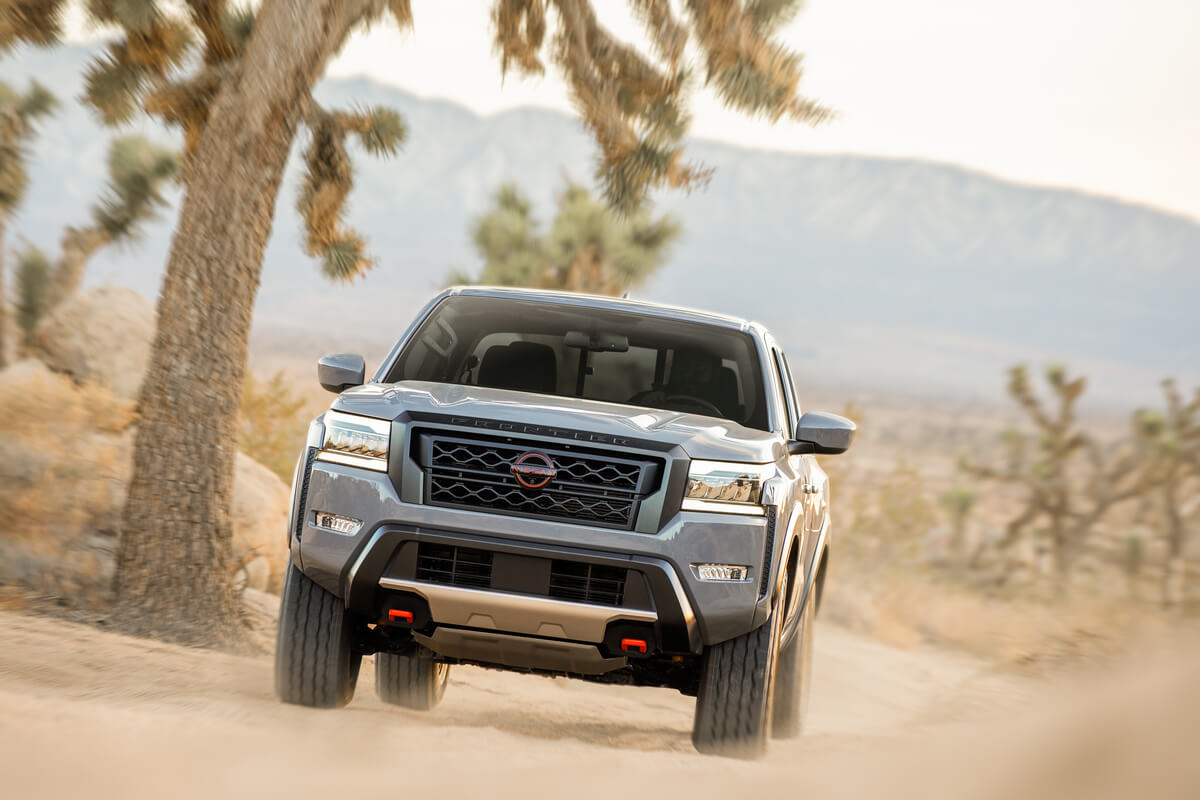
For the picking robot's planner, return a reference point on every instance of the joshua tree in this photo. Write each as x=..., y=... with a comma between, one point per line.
x=589, y=248
x=1070, y=481
x=137, y=171
x=240, y=104
x=18, y=116
x=957, y=502
x=1173, y=438
x=270, y=425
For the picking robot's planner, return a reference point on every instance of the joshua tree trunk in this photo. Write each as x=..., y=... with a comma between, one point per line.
x=3, y=299
x=78, y=246
x=173, y=577
x=1060, y=541
x=1175, y=572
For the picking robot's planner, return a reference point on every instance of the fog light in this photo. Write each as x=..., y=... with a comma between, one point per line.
x=347, y=526
x=721, y=572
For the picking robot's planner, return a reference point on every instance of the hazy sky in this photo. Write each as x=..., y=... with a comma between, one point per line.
x=1102, y=95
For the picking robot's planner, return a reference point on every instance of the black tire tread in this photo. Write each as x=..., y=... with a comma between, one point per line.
x=791, y=682
x=315, y=665
x=733, y=704
x=409, y=681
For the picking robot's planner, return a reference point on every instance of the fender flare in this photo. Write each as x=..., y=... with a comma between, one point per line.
x=810, y=577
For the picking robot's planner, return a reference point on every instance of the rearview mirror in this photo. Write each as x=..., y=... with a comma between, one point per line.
x=822, y=433
x=597, y=342
x=341, y=371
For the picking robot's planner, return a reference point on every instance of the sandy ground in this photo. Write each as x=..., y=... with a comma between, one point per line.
x=84, y=713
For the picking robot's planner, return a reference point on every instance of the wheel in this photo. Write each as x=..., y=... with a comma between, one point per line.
x=413, y=681
x=737, y=687
x=792, y=675
x=315, y=662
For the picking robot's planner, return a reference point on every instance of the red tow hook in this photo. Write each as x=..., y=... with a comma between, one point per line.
x=632, y=645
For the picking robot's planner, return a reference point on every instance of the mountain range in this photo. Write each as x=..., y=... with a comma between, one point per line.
x=876, y=273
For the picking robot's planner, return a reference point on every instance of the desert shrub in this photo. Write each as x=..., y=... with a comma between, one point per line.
x=271, y=429
x=890, y=523
x=64, y=457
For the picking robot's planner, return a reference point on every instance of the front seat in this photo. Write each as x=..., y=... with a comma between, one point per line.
x=520, y=366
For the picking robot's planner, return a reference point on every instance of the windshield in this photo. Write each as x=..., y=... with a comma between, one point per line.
x=596, y=354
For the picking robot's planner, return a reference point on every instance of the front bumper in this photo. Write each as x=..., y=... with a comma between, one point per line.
x=686, y=613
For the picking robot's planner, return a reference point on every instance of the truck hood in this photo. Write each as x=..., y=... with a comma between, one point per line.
x=699, y=436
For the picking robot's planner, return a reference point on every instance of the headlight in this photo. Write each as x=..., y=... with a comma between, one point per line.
x=726, y=487
x=356, y=441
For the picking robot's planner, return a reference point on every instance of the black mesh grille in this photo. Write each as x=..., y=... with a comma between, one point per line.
x=455, y=566
x=587, y=583
x=588, y=487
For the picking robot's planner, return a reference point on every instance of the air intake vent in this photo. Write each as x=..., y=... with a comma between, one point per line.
x=587, y=583
x=768, y=553
x=454, y=566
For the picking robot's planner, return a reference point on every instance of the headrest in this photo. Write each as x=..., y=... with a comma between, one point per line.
x=521, y=366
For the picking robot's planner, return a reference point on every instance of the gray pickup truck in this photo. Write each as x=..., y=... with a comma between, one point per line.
x=562, y=484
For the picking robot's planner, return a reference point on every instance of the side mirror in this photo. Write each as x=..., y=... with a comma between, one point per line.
x=821, y=433
x=341, y=371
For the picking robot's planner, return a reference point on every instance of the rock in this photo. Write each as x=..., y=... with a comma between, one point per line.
x=66, y=454
x=28, y=373
x=260, y=512
x=256, y=573
x=103, y=335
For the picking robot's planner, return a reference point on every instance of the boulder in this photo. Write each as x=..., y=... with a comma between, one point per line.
x=261, y=502
x=102, y=336
x=66, y=453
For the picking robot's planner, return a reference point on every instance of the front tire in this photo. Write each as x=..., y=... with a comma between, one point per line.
x=414, y=681
x=315, y=660
x=793, y=675
x=737, y=689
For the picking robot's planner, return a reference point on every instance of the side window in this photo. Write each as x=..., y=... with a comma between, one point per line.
x=789, y=399
x=791, y=386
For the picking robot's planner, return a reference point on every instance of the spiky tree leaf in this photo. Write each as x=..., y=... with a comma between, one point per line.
x=138, y=171
x=520, y=31
x=766, y=16
x=19, y=115
x=667, y=34
x=401, y=11
x=381, y=130
x=162, y=46
x=37, y=102
x=112, y=86
x=239, y=25
x=136, y=16
x=14, y=180
x=328, y=178
x=750, y=71
x=103, y=11
x=33, y=283
x=37, y=22
x=344, y=259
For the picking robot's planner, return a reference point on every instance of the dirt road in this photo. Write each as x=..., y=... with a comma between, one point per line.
x=84, y=713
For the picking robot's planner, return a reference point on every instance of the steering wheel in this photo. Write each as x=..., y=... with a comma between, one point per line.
x=695, y=402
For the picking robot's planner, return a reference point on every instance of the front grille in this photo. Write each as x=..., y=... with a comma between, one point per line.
x=587, y=583
x=576, y=581
x=589, y=487
x=455, y=566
